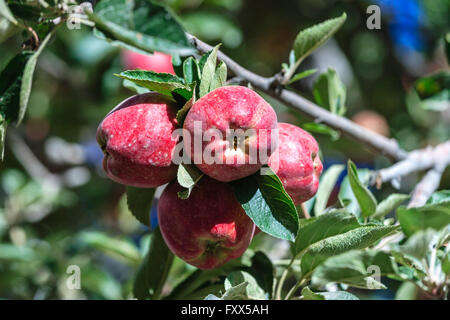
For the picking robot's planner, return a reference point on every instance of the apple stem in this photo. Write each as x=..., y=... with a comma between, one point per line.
x=305, y=211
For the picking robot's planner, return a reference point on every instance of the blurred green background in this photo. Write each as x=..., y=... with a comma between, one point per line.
x=58, y=208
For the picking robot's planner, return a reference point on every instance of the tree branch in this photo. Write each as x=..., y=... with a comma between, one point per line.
x=272, y=86
x=417, y=160
x=425, y=188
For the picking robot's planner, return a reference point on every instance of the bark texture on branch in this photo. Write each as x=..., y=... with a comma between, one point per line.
x=425, y=188
x=417, y=160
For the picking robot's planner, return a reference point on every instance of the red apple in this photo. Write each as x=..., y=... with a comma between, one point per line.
x=212, y=120
x=207, y=229
x=157, y=62
x=299, y=166
x=136, y=138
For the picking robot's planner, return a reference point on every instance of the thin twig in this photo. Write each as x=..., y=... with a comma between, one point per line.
x=426, y=186
x=299, y=283
x=29, y=161
x=417, y=160
x=283, y=278
x=305, y=210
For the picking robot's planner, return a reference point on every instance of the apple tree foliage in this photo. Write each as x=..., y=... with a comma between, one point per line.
x=336, y=249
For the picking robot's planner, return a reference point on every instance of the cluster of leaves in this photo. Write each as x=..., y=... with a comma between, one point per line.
x=329, y=91
x=16, y=79
x=34, y=261
x=339, y=245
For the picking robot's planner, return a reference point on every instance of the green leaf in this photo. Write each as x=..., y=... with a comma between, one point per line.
x=236, y=293
x=332, y=233
x=438, y=197
x=26, y=11
x=336, y=295
x=199, y=277
x=329, y=92
x=182, y=95
x=322, y=129
x=220, y=77
x=366, y=200
x=120, y=248
x=27, y=79
x=302, y=75
x=143, y=24
x=5, y=12
x=313, y=37
x=202, y=61
x=389, y=204
x=208, y=72
x=139, y=201
x=10, y=252
x=406, y=291
x=420, y=244
x=326, y=185
x=292, y=59
x=308, y=294
x=268, y=205
x=359, y=238
x=206, y=293
x=163, y=83
x=182, y=113
x=153, y=272
x=187, y=176
x=7, y=29
x=8, y=23
x=134, y=87
x=409, y=265
x=252, y=289
x=10, y=83
x=434, y=216
x=263, y=271
x=177, y=64
x=191, y=71
x=415, y=254
x=446, y=263
x=346, y=194
x=329, y=224
x=356, y=268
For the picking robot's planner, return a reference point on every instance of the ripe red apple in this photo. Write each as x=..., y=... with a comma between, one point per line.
x=214, y=117
x=207, y=229
x=299, y=165
x=157, y=62
x=136, y=138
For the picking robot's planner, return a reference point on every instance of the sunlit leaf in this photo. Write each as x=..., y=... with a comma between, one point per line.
x=268, y=205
